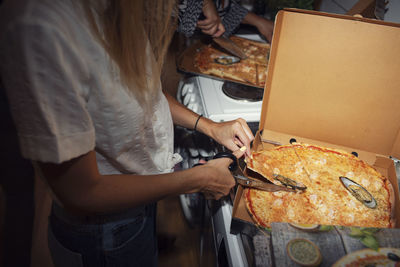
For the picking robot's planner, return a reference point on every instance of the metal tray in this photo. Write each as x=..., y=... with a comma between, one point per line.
x=186, y=64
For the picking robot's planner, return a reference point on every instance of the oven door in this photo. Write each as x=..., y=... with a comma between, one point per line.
x=230, y=250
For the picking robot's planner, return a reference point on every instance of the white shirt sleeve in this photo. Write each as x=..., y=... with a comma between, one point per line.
x=45, y=76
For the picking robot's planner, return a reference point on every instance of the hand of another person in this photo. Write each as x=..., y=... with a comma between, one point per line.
x=233, y=134
x=263, y=25
x=266, y=28
x=212, y=24
x=218, y=179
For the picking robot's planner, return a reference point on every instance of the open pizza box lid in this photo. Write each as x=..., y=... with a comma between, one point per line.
x=332, y=80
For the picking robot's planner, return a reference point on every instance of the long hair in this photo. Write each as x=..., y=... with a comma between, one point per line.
x=136, y=35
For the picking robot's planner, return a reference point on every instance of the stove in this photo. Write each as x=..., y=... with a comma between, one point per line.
x=243, y=93
x=219, y=101
x=227, y=101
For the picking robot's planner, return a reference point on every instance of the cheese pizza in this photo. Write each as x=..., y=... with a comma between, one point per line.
x=251, y=70
x=327, y=199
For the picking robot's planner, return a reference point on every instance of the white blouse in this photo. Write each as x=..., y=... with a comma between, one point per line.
x=66, y=96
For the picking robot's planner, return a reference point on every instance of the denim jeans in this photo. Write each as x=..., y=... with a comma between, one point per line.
x=124, y=242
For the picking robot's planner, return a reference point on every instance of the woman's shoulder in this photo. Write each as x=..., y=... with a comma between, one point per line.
x=25, y=16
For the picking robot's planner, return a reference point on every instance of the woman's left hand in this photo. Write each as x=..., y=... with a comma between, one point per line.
x=233, y=134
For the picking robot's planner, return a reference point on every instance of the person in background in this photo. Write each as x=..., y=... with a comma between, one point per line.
x=83, y=82
x=218, y=17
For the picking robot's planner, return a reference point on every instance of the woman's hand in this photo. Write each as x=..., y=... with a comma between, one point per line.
x=232, y=134
x=212, y=24
x=218, y=180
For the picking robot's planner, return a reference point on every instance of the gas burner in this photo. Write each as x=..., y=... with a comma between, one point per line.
x=242, y=92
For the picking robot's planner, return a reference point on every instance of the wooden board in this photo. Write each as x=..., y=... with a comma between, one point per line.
x=270, y=248
x=327, y=242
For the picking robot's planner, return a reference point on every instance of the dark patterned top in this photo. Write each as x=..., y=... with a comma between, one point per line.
x=230, y=11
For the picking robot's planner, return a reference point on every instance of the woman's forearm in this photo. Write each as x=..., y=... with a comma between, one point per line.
x=251, y=19
x=184, y=117
x=79, y=186
x=81, y=189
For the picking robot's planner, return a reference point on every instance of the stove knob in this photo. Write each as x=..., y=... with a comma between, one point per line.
x=187, y=88
x=184, y=90
x=188, y=98
x=194, y=107
x=194, y=153
x=204, y=154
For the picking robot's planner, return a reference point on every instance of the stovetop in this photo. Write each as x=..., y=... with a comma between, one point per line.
x=218, y=106
x=242, y=92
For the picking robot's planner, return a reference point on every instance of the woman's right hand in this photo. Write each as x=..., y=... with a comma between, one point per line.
x=212, y=24
x=217, y=179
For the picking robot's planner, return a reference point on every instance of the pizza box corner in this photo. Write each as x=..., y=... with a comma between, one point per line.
x=332, y=80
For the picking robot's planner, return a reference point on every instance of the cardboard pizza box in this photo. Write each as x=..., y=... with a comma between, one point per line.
x=332, y=80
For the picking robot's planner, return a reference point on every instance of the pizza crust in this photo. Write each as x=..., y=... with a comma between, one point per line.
x=392, y=202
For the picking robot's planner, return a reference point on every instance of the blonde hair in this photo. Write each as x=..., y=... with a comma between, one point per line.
x=125, y=28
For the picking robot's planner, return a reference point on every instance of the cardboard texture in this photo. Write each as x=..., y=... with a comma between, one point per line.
x=333, y=80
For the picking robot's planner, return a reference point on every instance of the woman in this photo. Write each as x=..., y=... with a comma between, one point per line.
x=83, y=82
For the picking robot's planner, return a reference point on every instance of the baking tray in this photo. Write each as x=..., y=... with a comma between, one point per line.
x=185, y=62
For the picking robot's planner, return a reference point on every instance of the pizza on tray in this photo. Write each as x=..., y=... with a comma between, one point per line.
x=365, y=198
x=251, y=70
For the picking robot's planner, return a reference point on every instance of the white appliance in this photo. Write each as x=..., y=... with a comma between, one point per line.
x=218, y=101
x=218, y=106
x=205, y=96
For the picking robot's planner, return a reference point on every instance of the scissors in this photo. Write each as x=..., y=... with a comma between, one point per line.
x=245, y=181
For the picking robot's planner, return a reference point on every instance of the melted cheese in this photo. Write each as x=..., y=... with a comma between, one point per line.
x=326, y=201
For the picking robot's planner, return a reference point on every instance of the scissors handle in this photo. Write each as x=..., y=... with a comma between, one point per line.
x=233, y=166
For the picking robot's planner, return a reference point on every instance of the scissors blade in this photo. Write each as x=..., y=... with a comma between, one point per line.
x=255, y=180
x=256, y=184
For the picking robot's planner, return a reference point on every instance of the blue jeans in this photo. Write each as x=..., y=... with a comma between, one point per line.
x=125, y=241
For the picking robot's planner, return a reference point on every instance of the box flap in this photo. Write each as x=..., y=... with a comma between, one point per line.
x=335, y=79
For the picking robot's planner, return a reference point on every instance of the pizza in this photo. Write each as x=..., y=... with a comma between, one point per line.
x=251, y=70
x=369, y=257
x=326, y=200
x=256, y=52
